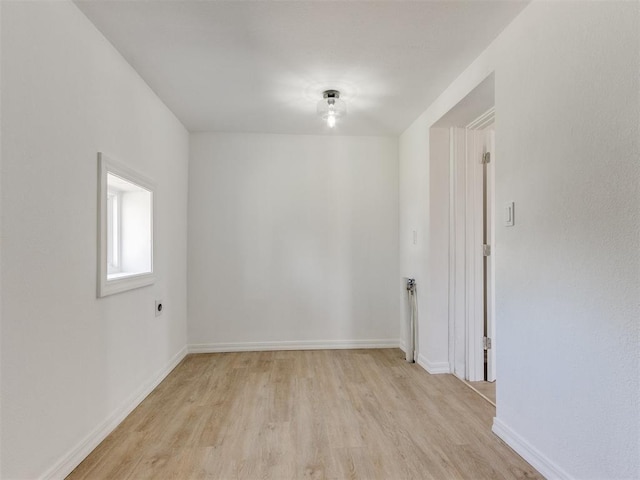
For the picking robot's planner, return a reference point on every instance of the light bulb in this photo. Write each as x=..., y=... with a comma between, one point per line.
x=331, y=120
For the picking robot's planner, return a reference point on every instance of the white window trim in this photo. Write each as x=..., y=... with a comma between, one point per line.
x=105, y=285
x=114, y=200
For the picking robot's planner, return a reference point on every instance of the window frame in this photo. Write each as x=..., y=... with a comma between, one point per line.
x=114, y=231
x=106, y=286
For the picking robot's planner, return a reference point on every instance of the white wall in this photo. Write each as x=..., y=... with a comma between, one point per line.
x=292, y=239
x=437, y=301
x=70, y=361
x=1, y=235
x=413, y=198
x=567, y=274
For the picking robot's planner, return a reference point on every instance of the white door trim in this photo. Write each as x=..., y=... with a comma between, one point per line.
x=466, y=301
x=452, y=251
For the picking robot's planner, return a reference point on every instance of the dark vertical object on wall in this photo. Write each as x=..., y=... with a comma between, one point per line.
x=486, y=158
x=411, y=330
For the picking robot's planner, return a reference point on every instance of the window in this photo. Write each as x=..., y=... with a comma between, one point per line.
x=125, y=233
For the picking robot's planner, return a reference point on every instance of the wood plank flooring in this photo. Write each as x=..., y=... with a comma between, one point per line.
x=488, y=389
x=336, y=414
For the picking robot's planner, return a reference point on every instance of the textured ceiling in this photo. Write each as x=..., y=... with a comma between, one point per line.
x=245, y=66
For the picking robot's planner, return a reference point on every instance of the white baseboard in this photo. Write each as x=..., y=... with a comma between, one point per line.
x=535, y=457
x=433, y=368
x=403, y=347
x=292, y=345
x=77, y=454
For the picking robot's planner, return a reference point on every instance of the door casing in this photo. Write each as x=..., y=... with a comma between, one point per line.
x=466, y=266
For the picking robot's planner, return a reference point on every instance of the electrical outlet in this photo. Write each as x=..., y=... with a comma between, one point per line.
x=159, y=308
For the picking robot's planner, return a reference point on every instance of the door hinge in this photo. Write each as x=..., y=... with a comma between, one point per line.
x=486, y=343
x=486, y=250
x=486, y=158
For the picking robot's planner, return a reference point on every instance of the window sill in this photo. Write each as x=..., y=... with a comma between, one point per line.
x=121, y=282
x=119, y=275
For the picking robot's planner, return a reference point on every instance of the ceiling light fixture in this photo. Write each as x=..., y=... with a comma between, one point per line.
x=331, y=107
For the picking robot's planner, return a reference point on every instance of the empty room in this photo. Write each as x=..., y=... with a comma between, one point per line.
x=319, y=239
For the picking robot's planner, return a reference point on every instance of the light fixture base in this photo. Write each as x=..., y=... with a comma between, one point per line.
x=331, y=94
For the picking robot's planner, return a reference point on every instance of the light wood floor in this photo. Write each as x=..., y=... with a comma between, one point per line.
x=488, y=389
x=317, y=414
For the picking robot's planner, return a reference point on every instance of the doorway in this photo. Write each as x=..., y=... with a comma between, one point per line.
x=472, y=253
x=468, y=200
x=471, y=241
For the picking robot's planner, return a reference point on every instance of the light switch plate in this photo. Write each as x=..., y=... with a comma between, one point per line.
x=509, y=214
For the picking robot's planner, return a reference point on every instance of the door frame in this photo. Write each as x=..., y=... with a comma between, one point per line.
x=466, y=282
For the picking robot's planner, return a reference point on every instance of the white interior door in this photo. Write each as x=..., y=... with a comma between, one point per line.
x=457, y=251
x=475, y=260
x=471, y=279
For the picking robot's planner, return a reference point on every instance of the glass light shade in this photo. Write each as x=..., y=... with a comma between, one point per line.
x=331, y=104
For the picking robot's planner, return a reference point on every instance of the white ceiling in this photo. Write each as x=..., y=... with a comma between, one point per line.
x=477, y=102
x=261, y=66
